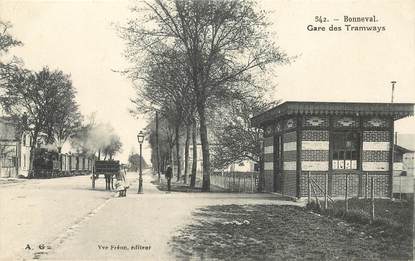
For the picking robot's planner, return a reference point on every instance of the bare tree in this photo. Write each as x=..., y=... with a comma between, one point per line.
x=223, y=43
x=63, y=118
x=186, y=153
x=68, y=123
x=165, y=88
x=7, y=41
x=194, y=156
x=236, y=140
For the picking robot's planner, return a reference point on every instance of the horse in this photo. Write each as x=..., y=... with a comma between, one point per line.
x=109, y=181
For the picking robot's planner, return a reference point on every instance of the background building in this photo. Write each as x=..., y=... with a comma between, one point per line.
x=8, y=149
x=403, y=172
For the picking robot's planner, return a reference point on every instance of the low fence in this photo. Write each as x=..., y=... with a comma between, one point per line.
x=235, y=181
x=402, y=185
x=316, y=190
x=358, y=183
x=7, y=167
x=7, y=172
x=48, y=173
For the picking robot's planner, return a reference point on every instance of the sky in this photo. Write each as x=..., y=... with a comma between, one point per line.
x=79, y=38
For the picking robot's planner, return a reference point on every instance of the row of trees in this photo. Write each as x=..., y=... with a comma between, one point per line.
x=134, y=162
x=43, y=103
x=199, y=64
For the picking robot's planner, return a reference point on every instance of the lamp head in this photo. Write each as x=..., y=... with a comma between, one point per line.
x=140, y=137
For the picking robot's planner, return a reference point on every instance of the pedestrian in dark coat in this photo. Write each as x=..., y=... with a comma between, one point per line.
x=169, y=173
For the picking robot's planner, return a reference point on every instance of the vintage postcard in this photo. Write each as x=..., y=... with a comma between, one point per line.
x=207, y=129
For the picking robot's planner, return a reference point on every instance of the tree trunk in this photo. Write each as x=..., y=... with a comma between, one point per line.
x=32, y=154
x=261, y=180
x=157, y=144
x=186, y=153
x=99, y=154
x=194, y=161
x=31, y=160
x=49, y=136
x=164, y=162
x=205, y=149
x=171, y=159
x=177, y=133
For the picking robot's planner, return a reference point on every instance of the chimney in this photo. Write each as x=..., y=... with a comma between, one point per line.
x=393, y=89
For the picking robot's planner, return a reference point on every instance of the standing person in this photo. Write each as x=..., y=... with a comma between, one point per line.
x=168, y=176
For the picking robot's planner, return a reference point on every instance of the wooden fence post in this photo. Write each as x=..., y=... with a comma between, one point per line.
x=400, y=187
x=224, y=180
x=252, y=182
x=326, y=186
x=372, y=198
x=93, y=176
x=309, y=187
x=233, y=183
x=346, y=201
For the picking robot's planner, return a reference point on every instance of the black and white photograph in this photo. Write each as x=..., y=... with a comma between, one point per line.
x=207, y=129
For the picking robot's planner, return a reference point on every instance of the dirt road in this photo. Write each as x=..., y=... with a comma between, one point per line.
x=71, y=221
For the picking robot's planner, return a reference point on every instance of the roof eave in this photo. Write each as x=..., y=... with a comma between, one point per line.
x=395, y=110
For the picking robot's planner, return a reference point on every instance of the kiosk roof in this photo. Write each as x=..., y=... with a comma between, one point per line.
x=290, y=108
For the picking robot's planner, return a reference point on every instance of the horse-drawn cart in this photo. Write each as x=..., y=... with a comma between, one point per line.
x=108, y=168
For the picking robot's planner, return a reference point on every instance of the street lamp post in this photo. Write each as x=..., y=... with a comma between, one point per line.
x=140, y=137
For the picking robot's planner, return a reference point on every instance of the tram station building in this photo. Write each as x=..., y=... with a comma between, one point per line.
x=329, y=141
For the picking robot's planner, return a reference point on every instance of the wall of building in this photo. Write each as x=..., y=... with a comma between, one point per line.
x=403, y=174
x=8, y=159
x=314, y=153
x=24, y=161
x=289, y=178
x=8, y=149
x=376, y=151
x=269, y=164
x=313, y=149
x=244, y=166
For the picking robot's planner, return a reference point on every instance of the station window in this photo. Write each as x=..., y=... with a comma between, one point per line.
x=345, y=150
